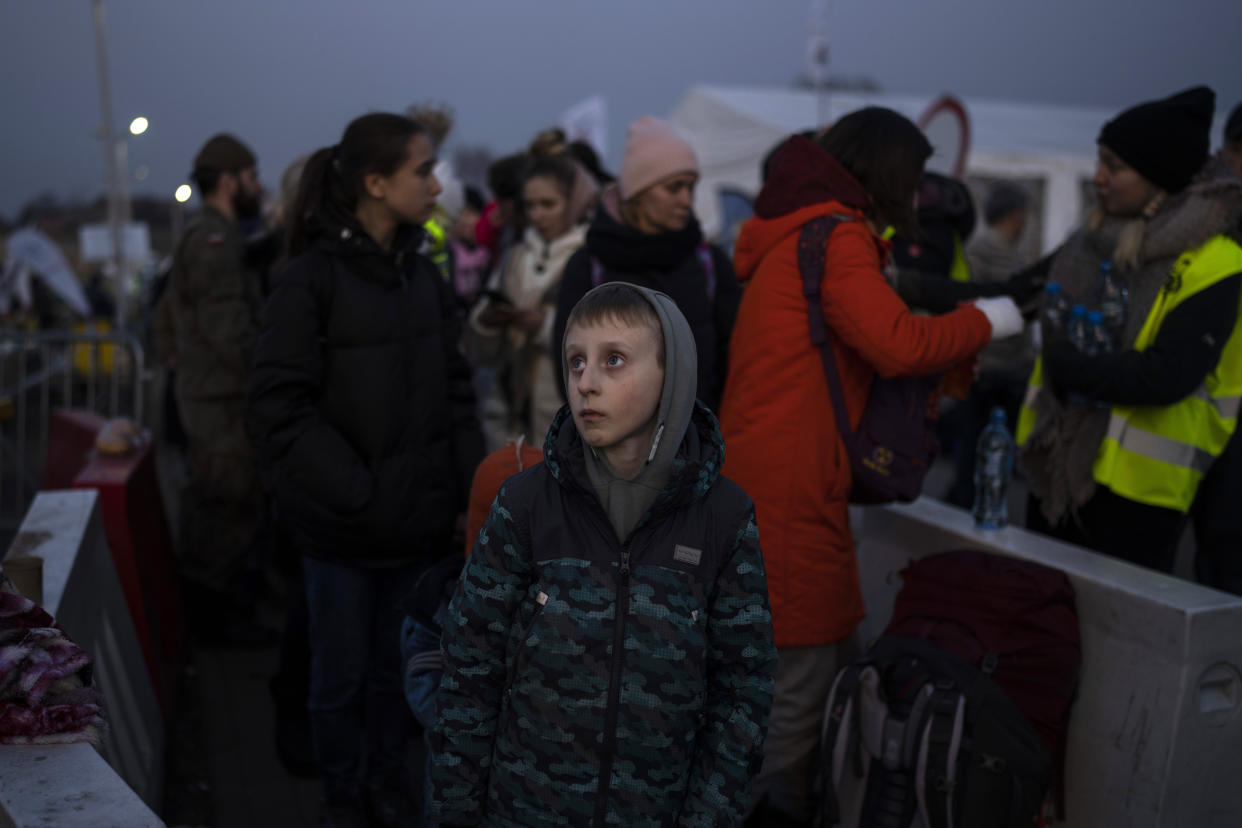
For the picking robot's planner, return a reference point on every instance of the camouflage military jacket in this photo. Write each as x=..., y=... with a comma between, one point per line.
x=216, y=304
x=593, y=682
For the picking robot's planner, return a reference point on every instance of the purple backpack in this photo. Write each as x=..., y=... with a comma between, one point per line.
x=895, y=442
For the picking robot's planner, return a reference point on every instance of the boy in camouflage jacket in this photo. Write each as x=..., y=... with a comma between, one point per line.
x=608, y=653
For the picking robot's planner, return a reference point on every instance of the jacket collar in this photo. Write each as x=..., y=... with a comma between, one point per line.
x=349, y=241
x=801, y=174
x=695, y=469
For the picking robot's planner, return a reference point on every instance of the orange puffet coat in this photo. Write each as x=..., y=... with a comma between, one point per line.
x=782, y=442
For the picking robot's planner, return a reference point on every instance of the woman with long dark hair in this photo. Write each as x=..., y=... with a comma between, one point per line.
x=784, y=445
x=362, y=410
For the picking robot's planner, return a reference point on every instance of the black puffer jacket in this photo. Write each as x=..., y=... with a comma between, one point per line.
x=669, y=263
x=361, y=406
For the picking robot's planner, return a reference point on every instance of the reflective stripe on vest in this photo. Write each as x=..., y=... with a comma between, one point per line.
x=1158, y=454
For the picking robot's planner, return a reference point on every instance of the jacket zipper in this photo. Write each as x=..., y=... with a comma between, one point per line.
x=614, y=686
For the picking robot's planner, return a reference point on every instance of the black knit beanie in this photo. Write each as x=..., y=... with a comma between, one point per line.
x=1165, y=141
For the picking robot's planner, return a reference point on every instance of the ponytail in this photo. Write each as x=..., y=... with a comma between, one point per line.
x=318, y=189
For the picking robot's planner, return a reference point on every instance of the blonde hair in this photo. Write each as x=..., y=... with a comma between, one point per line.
x=1130, y=240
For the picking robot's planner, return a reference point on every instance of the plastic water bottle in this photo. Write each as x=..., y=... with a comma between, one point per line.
x=1056, y=308
x=1114, y=301
x=1076, y=329
x=993, y=471
x=1098, y=340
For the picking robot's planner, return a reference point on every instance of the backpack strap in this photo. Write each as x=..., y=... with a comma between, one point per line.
x=937, y=768
x=709, y=270
x=842, y=702
x=812, y=247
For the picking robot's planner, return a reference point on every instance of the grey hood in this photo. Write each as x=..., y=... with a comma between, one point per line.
x=627, y=501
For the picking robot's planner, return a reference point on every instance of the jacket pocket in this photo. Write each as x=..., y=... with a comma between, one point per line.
x=323, y=468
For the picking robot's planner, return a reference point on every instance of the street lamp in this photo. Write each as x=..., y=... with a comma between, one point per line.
x=138, y=125
x=183, y=193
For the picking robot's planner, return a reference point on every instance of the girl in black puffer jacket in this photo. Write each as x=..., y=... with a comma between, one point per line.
x=362, y=412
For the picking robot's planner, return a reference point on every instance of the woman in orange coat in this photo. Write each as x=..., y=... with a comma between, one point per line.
x=783, y=443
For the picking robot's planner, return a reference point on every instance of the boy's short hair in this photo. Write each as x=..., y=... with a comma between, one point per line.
x=618, y=303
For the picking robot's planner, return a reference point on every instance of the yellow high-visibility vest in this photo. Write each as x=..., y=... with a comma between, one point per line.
x=438, y=250
x=1158, y=454
x=959, y=270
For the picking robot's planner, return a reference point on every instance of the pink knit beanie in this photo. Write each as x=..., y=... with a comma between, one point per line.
x=653, y=152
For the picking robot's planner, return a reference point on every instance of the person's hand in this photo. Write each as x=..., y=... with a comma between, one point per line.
x=529, y=320
x=1003, y=315
x=1060, y=362
x=497, y=316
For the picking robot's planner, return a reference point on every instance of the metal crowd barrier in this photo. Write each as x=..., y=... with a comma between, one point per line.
x=104, y=372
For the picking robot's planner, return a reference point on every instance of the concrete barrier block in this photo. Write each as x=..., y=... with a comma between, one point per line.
x=1155, y=738
x=68, y=786
x=83, y=594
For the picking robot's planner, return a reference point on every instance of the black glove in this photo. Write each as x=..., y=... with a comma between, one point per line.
x=1027, y=285
x=1060, y=360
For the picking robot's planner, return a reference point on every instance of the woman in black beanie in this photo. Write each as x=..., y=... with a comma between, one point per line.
x=1115, y=443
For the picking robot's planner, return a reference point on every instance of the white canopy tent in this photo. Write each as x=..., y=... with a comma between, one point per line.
x=732, y=128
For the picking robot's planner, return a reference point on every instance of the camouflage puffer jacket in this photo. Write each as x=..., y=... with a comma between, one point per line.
x=590, y=682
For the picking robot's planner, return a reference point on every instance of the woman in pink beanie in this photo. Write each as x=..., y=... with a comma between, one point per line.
x=645, y=232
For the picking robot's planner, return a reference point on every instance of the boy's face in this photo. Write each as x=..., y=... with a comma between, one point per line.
x=615, y=383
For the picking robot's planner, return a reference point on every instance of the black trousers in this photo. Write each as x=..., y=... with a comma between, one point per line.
x=1217, y=515
x=1135, y=532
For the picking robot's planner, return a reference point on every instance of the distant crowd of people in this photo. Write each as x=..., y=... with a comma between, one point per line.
x=647, y=626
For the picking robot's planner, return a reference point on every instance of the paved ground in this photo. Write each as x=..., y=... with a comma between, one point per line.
x=222, y=765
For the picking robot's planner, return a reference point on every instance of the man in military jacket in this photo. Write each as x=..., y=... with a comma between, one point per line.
x=213, y=303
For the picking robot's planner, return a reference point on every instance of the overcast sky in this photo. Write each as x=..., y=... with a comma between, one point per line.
x=287, y=75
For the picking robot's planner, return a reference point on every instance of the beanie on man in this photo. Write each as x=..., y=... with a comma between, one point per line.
x=653, y=152
x=1165, y=141
x=224, y=153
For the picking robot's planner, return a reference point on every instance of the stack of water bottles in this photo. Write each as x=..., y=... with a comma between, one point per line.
x=1091, y=332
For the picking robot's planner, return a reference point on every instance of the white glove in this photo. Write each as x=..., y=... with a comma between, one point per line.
x=1003, y=315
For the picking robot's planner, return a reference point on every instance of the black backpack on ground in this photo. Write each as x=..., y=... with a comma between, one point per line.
x=957, y=715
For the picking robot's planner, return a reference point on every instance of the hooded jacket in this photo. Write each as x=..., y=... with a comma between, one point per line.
x=668, y=263
x=591, y=679
x=784, y=446
x=361, y=405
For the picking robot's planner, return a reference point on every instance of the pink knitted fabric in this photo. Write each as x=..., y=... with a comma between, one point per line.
x=653, y=152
